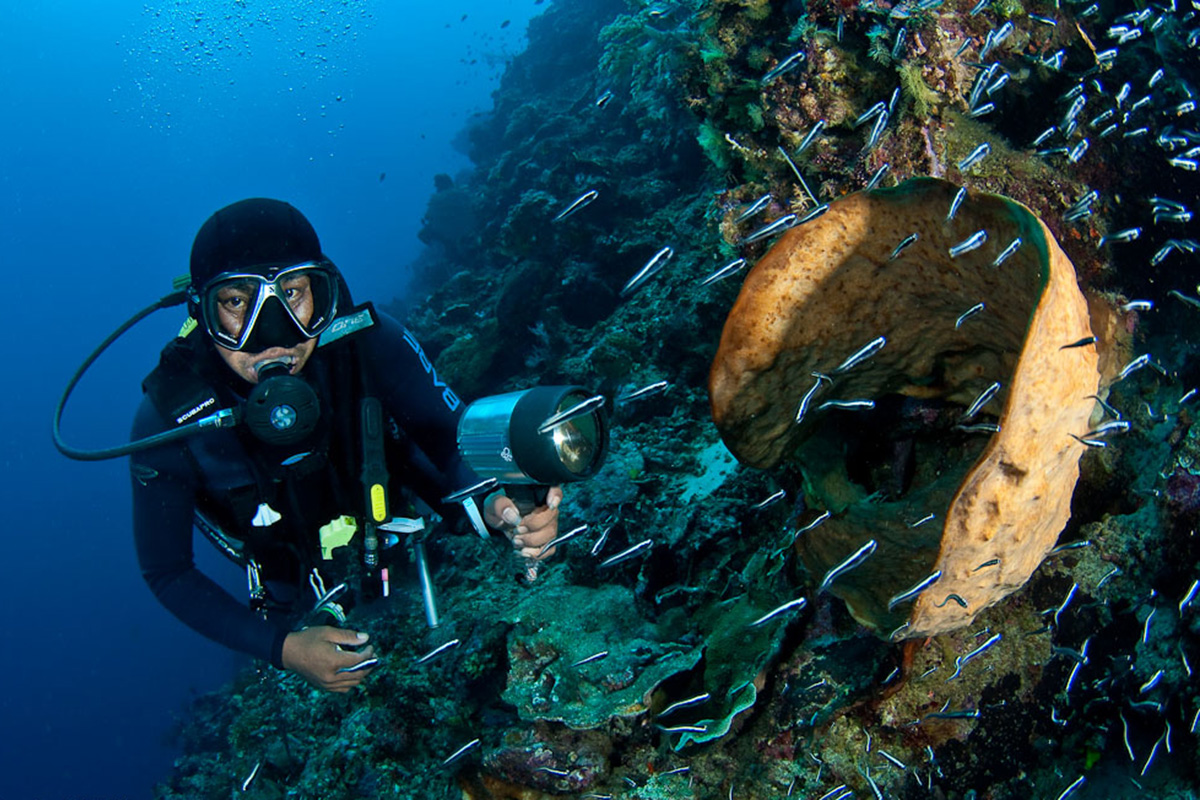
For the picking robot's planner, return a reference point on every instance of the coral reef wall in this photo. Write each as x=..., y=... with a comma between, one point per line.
x=708, y=664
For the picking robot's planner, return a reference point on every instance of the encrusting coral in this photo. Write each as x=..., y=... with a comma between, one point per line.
x=900, y=434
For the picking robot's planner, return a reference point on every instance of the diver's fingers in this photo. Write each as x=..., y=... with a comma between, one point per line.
x=536, y=552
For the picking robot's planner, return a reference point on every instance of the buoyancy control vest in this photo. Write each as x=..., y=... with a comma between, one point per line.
x=272, y=506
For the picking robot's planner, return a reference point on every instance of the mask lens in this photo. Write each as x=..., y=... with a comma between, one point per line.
x=233, y=306
x=229, y=305
x=311, y=297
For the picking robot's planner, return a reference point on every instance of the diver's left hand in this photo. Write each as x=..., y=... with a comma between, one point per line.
x=528, y=533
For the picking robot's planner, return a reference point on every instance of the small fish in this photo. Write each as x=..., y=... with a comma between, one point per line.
x=1044, y=135
x=1071, y=546
x=1077, y=151
x=1150, y=684
x=961, y=603
x=460, y=751
x=576, y=204
x=778, y=226
x=971, y=714
x=982, y=400
x=1013, y=246
x=905, y=243
x=1133, y=366
x=657, y=262
x=1079, y=657
x=755, y=207
x=808, y=396
x=895, y=761
x=599, y=545
x=691, y=701
x=913, y=591
x=604, y=99
x=855, y=559
x=644, y=392
x=970, y=312
x=1066, y=602
x=998, y=84
x=877, y=130
x=1044, y=20
x=571, y=534
x=794, y=604
x=862, y=354
x=732, y=268
x=684, y=729
x=982, y=427
x=961, y=661
x=1089, y=442
x=591, y=658
x=990, y=563
x=1084, y=342
x=877, y=176
x=1112, y=426
x=1095, y=123
x=1189, y=597
x=847, y=405
x=246, y=783
x=1191, y=301
x=986, y=108
x=787, y=65
x=974, y=157
x=959, y=197
x=1075, y=785
x=770, y=501
x=826, y=514
x=364, y=664
x=972, y=242
x=628, y=552
x=813, y=214
x=436, y=651
x=483, y=487
x=922, y=520
x=871, y=113
x=811, y=136
x=574, y=412
x=891, y=106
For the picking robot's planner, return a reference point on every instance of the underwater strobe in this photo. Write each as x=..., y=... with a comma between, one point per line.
x=534, y=439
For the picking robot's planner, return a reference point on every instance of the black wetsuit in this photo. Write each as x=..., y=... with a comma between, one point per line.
x=171, y=482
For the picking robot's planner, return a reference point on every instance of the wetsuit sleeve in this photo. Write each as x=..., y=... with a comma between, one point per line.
x=164, y=500
x=426, y=409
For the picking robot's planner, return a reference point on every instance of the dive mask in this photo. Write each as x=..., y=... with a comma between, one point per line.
x=281, y=308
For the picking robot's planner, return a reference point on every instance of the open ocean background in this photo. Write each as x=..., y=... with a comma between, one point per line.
x=125, y=125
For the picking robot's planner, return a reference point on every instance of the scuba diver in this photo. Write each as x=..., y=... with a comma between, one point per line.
x=334, y=399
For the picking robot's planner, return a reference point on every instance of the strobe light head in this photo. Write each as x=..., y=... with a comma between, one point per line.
x=516, y=439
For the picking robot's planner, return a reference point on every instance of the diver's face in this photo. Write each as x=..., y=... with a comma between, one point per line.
x=245, y=364
x=233, y=304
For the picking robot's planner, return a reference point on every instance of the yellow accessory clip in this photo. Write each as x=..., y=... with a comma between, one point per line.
x=336, y=533
x=187, y=328
x=378, y=503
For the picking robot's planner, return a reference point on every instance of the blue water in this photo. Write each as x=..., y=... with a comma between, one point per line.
x=125, y=124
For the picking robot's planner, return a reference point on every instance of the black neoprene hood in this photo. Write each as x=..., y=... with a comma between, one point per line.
x=250, y=235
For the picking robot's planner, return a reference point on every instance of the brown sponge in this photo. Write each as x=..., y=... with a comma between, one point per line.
x=999, y=500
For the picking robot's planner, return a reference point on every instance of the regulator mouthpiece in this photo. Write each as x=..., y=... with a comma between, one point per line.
x=282, y=409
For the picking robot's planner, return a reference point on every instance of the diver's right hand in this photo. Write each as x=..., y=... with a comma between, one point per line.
x=322, y=655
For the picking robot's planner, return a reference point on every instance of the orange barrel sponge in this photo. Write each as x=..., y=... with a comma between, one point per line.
x=928, y=372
